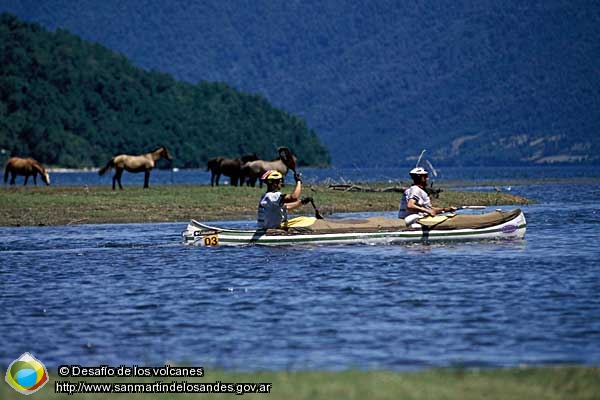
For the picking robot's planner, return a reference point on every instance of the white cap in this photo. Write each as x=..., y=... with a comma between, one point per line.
x=418, y=171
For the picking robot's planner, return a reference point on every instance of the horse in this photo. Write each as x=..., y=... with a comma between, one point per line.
x=26, y=167
x=142, y=163
x=228, y=167
x=214, y=166
x=253, y=170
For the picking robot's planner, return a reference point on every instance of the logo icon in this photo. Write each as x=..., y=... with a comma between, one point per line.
x=26, y=374
x=510, y=228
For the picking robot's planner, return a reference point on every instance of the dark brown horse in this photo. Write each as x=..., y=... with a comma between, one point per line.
x=26, y=167
x=142, y=163
x=228, y=167
x=214, y=166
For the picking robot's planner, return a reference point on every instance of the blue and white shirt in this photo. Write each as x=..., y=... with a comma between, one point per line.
x=271, y=210
x=419, y=195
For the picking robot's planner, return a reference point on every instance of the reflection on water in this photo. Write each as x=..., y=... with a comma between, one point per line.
x=132, y=294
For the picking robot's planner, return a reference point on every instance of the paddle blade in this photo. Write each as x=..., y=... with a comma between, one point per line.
x=287, y=157
x=433, y=171
x=317, y=213
x=299, y=222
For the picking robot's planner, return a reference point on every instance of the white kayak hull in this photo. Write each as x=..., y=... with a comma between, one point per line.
x=510, y=226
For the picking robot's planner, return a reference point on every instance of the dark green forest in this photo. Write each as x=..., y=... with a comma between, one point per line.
x=72, y=103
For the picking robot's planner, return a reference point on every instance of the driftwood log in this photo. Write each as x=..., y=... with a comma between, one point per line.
x=397, y=189
x=356, y=188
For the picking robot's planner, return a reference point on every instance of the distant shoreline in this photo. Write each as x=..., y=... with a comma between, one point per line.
x=69, y=170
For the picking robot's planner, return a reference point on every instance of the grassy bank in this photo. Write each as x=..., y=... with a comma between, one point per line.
x=65, y=205
x=529, y=383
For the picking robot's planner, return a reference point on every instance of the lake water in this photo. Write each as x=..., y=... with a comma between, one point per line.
x=336, y=175
x=125, y=294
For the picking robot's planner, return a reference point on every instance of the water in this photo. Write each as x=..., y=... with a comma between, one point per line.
x=337, y=175
x=130, y=294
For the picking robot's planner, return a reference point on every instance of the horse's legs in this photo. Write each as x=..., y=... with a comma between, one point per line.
x=217, y=178
x=35, y=179
x=26, y=179
x=13, y=176
x=233, y=180
x=146, y=178
x=212, y=178
x=120, y=174
x=117, y=178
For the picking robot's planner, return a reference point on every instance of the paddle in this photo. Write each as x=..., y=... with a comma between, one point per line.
x=288, y=159
x=451, y=212
x=317, y=213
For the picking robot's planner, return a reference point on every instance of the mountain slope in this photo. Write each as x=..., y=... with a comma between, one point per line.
x=380, y=80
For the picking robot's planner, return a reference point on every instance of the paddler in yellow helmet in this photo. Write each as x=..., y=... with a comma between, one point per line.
x=274, y=205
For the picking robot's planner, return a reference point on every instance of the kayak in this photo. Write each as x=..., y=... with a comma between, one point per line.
x=496, y=225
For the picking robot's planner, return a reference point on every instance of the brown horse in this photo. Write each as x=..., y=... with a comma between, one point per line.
x=253, y=170
x=142, y=163
x=26, y=167
x=228, y=167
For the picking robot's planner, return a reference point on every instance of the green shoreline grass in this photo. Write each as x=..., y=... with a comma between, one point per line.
x=547, y=383
x=67, y=205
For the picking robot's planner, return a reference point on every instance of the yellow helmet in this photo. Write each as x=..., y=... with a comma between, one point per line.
x=271, y=175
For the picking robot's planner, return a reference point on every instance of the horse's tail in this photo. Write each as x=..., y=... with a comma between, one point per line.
x=6, y=172
x=108, y=166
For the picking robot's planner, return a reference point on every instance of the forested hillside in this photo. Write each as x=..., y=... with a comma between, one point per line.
x=71, y=103
x=474, y=82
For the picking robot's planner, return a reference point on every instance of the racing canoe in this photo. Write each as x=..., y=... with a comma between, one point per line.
x=496, y=225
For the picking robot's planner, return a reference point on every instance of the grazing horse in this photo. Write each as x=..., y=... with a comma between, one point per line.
x=253, y=170
x=26, y=167
x=142, y=163
x=228, y=167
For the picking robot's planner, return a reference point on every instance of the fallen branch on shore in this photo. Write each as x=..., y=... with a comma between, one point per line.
x=356, y=188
